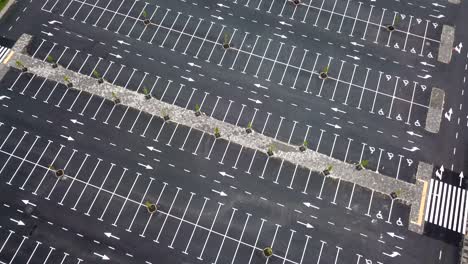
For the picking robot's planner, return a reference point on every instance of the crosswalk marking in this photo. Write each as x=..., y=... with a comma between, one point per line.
x=4, y=52
x=447, y=206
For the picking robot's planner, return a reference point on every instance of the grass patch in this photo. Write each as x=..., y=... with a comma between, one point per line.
x=3, y=4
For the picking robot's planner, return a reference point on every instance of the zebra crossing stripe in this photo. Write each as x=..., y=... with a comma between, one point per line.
x=5, y=53
x=447, y=206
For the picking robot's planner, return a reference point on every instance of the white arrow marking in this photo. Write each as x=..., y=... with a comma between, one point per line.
x=116, y=55
x=4, y=97
x=438, y=5
x=448, y=114
x=221, y=193
x=285, y=24
x=47, y=33
x=281, y=36
x=255, y=101
x=67, y=138
x=461, y=178
x=148, y=167
x=151, y=148
x=338, y=110
x=307, y=204
x=108, y=234
x=356, y=44
x=353, y=57
x=52, y=22
x=104, y=257
x=18, y=222
x=26, y=202
x=458, y=48
x=335, y=126
x=193, y=65
x=260, y=86
x=305, y=224
x=413, y=149
x=221, y=5
x=123, y=42
x=217, y=17
x=427, y=64
x=439, y=16
x=440, y=172
x=427, y=76
x=74, y=121
x=394, y=254
x=187, y=78
x=413, y=134
x=396, y=236
x=224, y=174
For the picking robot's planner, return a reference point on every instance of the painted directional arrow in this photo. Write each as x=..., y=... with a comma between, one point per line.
x=440, y=172
x=151, y=148
x=27, y=202
x=413, y=134
x=47, y=33
x=305, y=224
x=285, y=24
x=217, y=17
x=356, y=44
x=334, y=125
x=118, y=56
x=439, y=16
x=413, y=149
x=427, y=64
x=427, y=76
x=53, y=22
x=187, y=78
x=148, y=167
x=448, y=114
x=260, y=86
x=109, y=235
x=392, y=255
x=307, y=204
x=438, y=5
x=461, y=178
x=123, y=42
x=74, y=121
x=191, y=64
x=338, y=110
x=221, y=193
x=394, y=235
x=221, y=5
x=255, y=101
x=4, y=97
x=224, y=174
x=104, y=257
x=353, y=57
x=18, y=222
x=281, y=36
x=67, y=138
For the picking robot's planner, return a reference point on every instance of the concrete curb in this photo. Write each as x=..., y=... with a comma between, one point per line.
x=434, y=114
x=5, y=9
x=456, y=2
x=446, y=44
x=409, y=193
x=423, y=176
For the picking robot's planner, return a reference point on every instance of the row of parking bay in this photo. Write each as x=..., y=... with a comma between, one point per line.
x=350, y=84
x=359, y=20
x=190, y=223
x=224, y=155
x=291, y=131
x=16, y=248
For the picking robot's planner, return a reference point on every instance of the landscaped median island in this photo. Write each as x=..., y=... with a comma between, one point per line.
x=247, y=137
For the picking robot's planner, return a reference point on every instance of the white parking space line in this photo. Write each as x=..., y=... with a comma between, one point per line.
x=180, y=222
x=209, y=232
x=196, y=223
x=126, y=199
x=129, y=228
x=167, y=215
x=234, y=210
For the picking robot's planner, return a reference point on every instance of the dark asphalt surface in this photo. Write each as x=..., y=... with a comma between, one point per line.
x=113, y=141
x=107, y=183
